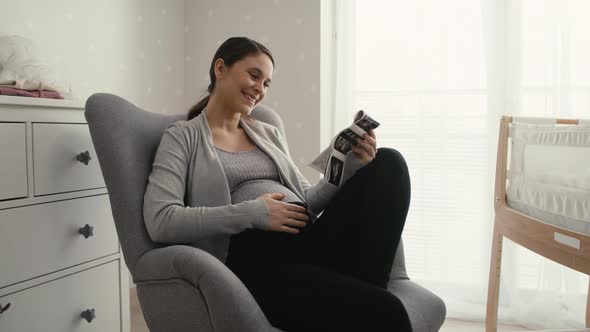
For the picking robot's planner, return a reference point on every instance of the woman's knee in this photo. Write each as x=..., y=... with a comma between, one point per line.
x=391, y=158
x=390, y=166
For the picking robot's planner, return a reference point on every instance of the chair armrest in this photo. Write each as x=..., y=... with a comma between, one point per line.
x=426, y=310
x=398, y=270
x=174, y=262
x=229, y=303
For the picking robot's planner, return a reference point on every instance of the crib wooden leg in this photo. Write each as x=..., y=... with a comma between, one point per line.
x=494, y=282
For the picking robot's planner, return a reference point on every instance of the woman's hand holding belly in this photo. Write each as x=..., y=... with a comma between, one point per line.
x=284, y=217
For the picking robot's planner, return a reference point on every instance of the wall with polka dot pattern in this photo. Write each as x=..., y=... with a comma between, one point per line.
x=157, y=53
x=291, y=31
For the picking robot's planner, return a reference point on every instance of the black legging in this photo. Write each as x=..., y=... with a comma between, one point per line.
x=333, y=275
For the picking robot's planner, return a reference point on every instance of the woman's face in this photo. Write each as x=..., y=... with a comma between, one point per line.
x=244, y=83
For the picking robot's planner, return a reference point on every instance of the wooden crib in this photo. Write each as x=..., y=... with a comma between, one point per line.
x=564, y=246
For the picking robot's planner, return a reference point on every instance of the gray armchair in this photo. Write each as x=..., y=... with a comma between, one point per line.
x=182, y=288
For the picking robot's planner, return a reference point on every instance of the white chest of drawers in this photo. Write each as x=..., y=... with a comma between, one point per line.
x=61, y=268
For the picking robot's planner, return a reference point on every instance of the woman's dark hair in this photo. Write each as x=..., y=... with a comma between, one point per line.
x=231, y=51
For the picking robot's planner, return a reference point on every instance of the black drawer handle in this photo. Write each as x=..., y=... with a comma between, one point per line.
x=87, y=231
x=84, y=157
x=3, y=309
x=88, y=314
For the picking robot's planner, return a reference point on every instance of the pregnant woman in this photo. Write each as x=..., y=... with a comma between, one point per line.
x=226, y=183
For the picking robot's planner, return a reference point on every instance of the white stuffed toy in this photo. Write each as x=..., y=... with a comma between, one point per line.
x=21, y=68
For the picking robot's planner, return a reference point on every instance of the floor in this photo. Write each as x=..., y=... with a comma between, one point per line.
x=453, y=325
x=137, y=322
x=450, y=325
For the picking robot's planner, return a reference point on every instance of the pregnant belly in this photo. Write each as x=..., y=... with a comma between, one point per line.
x=253, y=189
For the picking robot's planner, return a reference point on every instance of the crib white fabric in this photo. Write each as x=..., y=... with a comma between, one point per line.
x=549, y=176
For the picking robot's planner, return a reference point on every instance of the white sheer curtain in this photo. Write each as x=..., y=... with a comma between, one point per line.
x=438, y=75
x=547, y=73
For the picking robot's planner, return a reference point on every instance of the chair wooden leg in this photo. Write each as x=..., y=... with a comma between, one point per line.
x=494, y=282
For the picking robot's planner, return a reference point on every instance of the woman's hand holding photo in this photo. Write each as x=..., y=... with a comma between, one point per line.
x=366, y=148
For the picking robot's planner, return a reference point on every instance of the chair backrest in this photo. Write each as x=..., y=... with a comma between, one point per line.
x=126, y=139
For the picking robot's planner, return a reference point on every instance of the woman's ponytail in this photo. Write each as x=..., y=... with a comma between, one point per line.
x=198, y=108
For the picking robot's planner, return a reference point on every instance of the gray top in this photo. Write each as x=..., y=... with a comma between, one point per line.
x=188, y=199
x=251, y=174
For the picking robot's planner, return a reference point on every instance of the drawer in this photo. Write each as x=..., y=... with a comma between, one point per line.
x=56, y=149
x=57, y=305
x=44, y=238
x=13, y=158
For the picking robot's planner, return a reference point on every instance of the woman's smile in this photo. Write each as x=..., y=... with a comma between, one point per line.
x=249, y=99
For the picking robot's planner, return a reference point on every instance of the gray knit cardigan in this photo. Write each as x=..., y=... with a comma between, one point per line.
x=186, y=162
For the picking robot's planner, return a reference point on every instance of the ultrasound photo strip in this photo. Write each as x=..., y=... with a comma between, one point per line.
x=331, y=161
